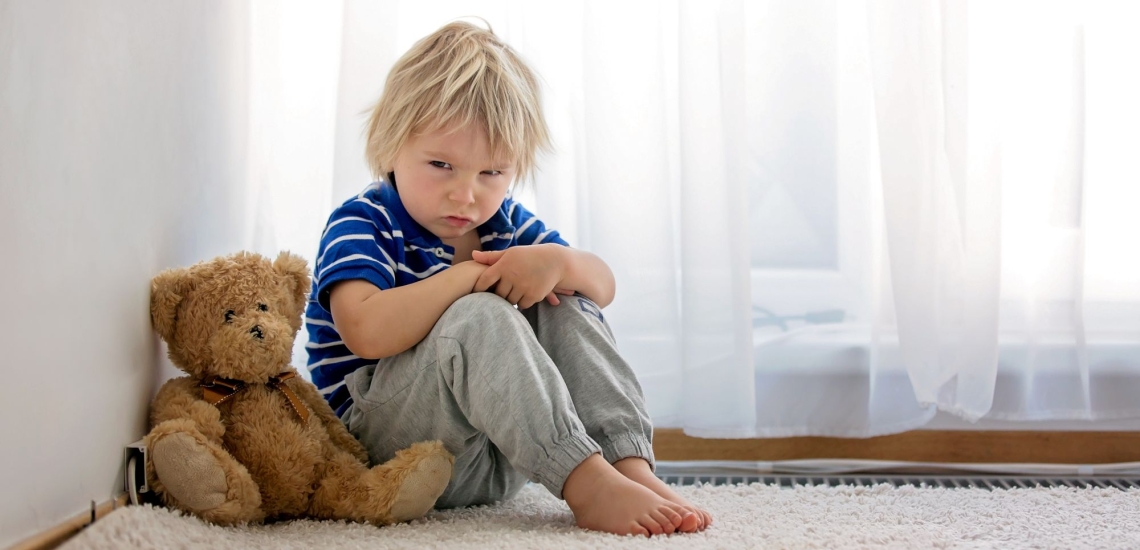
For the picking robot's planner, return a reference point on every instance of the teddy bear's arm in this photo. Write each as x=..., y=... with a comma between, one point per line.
x=338, y=434
x=180, y=399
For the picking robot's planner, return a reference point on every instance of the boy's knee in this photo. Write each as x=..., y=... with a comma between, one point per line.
x=483, y=308
x=481, y=302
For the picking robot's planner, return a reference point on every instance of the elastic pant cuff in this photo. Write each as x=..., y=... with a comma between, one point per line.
x=565, y=455
x=626, y=446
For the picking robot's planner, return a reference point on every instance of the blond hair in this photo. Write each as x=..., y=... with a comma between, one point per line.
x=459, y=75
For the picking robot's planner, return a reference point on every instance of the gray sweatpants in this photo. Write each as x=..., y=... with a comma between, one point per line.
x=514, y=395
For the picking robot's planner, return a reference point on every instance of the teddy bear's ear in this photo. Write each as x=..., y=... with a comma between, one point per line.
x=296, y=270
x=167, y=290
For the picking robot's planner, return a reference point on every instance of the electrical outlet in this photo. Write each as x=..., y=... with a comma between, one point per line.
x=134, y=472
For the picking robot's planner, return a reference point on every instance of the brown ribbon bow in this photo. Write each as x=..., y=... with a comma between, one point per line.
x=216, y=390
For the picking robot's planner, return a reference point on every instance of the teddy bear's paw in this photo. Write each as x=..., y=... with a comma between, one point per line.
x=421, y=487
x=189, y=472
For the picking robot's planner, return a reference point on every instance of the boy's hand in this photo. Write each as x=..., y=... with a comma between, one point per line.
x=523, y=275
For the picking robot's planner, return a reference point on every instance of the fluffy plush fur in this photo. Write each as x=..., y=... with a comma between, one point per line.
x=254, y=456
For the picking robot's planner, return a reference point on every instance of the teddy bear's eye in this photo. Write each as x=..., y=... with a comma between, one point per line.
x=229, y=315
x=262, y=307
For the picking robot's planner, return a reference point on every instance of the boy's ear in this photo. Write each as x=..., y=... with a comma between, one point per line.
x=296, y=271
x=167, y=290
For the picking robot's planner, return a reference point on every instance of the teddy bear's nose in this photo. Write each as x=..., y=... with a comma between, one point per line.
x=256, y=332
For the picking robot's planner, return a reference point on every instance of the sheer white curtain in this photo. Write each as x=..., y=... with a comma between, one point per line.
x=825, y=217
x=981, y=183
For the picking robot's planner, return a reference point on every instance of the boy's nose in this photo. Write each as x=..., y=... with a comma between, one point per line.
x=463, y=193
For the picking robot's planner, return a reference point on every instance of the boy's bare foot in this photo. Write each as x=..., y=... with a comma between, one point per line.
x=637, y=469
x=602, y=499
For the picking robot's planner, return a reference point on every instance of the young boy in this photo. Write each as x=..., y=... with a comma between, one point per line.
x=413, y=327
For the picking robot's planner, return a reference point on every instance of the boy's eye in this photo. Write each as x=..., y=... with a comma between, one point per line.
x=229, y=315
x=492, y=172
x=440, y=164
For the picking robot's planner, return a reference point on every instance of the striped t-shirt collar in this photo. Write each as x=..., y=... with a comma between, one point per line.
x=415, y=233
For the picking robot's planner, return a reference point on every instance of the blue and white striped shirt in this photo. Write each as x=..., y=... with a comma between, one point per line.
x=372, y=237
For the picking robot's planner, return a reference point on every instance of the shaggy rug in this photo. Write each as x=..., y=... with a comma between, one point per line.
x=746, y=516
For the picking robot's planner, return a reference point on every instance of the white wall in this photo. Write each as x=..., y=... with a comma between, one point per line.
x=123, y=131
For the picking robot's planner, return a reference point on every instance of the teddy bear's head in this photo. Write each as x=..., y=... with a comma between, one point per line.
x=234, y=316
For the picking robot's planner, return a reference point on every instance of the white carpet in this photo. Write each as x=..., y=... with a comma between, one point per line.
x=746, y=517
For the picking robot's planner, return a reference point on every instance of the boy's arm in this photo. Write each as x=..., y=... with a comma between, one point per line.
x=543, y=256
x=378, y=323
x=526, y=274
x=586, y=273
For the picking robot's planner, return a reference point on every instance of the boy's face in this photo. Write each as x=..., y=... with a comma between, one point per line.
x=448, y=181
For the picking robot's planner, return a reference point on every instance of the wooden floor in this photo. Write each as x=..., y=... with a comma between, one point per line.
x=917, y=446
x=56, y=536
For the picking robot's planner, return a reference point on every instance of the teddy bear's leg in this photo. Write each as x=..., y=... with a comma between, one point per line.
x=425, y=469
x=196, y=475
x=401, y=489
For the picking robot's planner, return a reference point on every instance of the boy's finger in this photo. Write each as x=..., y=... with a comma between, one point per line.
x=486, y=280
x=485, y=257
x=531, y=299
x=503, y=289
x=516, y=296
x=552, y=298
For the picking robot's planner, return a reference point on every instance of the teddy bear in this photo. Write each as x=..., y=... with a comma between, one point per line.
x=242, y=438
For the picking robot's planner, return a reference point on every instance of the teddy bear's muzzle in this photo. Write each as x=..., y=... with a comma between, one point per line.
x=251, y=351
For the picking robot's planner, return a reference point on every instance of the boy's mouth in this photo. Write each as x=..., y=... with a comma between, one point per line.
x=456, y=221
